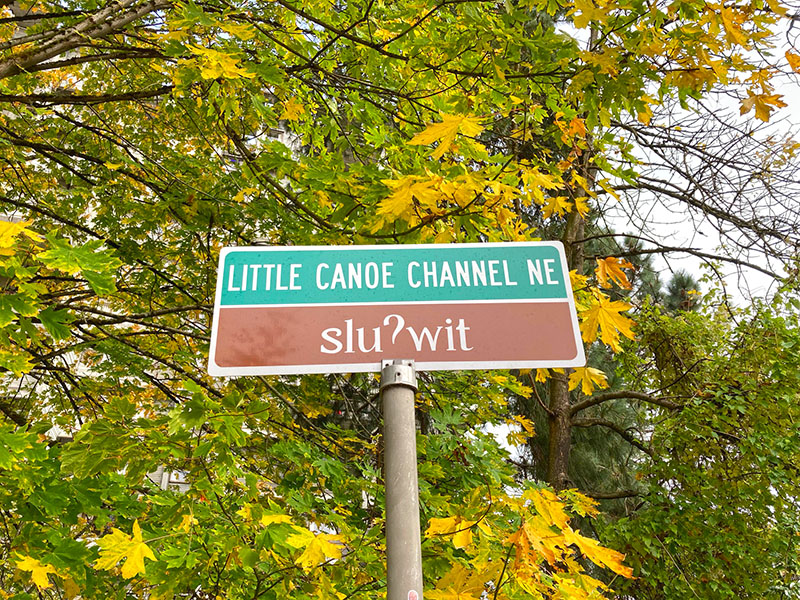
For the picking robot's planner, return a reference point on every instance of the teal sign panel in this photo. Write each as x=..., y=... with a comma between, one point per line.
x=314, y=275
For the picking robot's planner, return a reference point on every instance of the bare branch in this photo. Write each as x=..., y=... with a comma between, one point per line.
x=612, y=495
x=83, y=99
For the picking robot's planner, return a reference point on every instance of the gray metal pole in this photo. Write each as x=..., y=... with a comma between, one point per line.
x=403, y=552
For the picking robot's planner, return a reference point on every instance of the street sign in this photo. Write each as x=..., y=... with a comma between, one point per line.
x=343, y=309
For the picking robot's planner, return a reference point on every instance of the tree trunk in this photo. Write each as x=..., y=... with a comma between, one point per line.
x=560, y=427
x=560, y=438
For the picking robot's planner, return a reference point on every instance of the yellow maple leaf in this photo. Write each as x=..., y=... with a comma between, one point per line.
x=588, y=378
x=445, y=132
x=10, y=231
x=244, y=31
x=764, y=104
x=598, y=554
x=534, y=540
x=581, y=206
x=317, y=548
x=588, y=12
x=611, y=268
x=549, y=506
x=292, y=110
x=794, y=61
x=400, y=203
x=463, y=189
x=216, y=64
x=459, y=528
x=606, y=186
x=459, y=583
x=607, y=61
x=525, y=423
x=268, y=520
x=38, y=570
x=731, y=21
x=583, y=505
x=577, y=280
x=245, y=512
x=558, y=205
x=72, y=589
x=118, y=546
x=604, y=314
x=186, y=523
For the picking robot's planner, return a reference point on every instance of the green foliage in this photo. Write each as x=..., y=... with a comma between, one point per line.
x=721, y=489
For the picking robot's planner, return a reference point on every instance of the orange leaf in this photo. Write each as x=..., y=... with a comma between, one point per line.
x=611, y=268
x=764, y=104
x=794, y=61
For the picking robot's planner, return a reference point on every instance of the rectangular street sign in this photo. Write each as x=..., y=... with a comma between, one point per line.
x=344, y=309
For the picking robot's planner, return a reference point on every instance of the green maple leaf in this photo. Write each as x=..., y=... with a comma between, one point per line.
x=95, y=263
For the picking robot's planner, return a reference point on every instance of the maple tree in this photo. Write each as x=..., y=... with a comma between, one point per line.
x=139, y=137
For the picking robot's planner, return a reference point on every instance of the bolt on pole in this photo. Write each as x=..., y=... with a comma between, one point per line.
x=403, y=552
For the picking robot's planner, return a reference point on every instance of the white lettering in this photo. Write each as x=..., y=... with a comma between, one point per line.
x=447, y=275
x=320, y=285
x=414, y=283
x=372, y=276
x=424, y=334
x=449, y=329
x=338, y=277
x=493, y=272
x=349, y=336
x=549, y=270
x=398, y=327
x=352, y=339
x=429, y=273
x=268, y=269
x=535, y=271
x=255, y=269
x=505, y=274
x=462, y=273
x=386, y=272
x=376, y=346
x=231, y=273
x=462, y=330
x=278, y=276
x=293, y=277
x=354, y=275
x=478, y=272
x=330, y=335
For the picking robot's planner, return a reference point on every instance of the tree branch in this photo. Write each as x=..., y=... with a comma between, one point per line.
x=620, y=395
x=12, y=414
x=82, y=99
x=612, y=495
x=623, y=433
x=114, y=17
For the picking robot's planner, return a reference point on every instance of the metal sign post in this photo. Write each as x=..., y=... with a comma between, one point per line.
x=403, y=551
